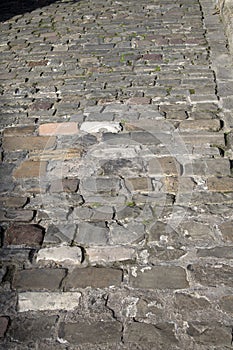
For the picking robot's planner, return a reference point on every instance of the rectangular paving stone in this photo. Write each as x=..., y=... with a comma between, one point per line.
x=110, y=254
x=38, y=279
x=91, y=333
x=143, y=184
x=197, y=125
x=47, y=301
x=22, y=215
x=15, y=143
x=93, y=277
x=217, y=252
x=19, y=130
x=164, y=166
x=32, y=329
x=208, y=167
x=159, y=277
x=13, y=202
x=91, y=234
x=161, y=334
x=203, y=138
x=211, y=334
x=30, y=168
x=220, y=184
x=212, y=275
x=66, y=128
x=66, y=254
x=57, y=154
x=27, y=235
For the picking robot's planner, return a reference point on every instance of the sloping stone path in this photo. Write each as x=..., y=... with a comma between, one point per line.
x=116, y=176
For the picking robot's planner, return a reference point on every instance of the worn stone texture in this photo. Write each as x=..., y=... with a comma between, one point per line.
x=42, y=301
x=159, y=277
x=93, y=277
x=26, y=235
x=38, y=279
x=116, y=195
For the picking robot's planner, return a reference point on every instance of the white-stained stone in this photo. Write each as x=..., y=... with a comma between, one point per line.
x=72, y=255
x=95, y=127
x=41, y=301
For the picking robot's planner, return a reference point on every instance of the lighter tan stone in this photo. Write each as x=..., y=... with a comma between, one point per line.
x=220, y=184
x=58, y=154
x=68, y=128
x=17, y=143
x=29, y=169
x=197, y=125
x=42, y=301
x=110, y=254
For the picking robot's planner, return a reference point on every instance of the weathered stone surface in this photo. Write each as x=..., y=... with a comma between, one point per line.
x=13, y=202
x=66, y=185
x=4, y=321
x=125, y=234
x=71, y=255
x=29, y=169
x=151, y=334
x=142, y=184
x=67, y=128
x=22, y=215
x=103, y=126
x=56, y=155
x=160, y=230
x=196, y=230
x=159, y=277
x=226, y=303
x=91, y=234
x=197, y=125
x=187, y=303
x=220, y=184
x=210, y=333
x=226, y=229
x=91, y=333
x=42, y=301
x=157, y=254
x=60, y=233
x=212, y=275
x=226, y=10
x=164, y=166
x=26, y=235
x=19, y=130
x=217, y=252
x=38, y=279
x=93, y=277
x=41, y=327
x=217, y=167
x=28, y=143
x=109, y=254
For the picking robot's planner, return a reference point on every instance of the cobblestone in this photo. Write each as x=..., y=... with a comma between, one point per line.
x=116, y=175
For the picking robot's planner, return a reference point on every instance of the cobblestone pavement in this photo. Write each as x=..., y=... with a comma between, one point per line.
x=116, y=176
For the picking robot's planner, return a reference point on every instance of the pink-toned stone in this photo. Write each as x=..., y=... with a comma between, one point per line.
x=69, y=128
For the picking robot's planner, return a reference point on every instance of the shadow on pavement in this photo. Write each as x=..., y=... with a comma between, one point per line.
x=11, y=8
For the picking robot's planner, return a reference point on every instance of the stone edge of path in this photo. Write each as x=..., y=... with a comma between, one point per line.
x=226, y=13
